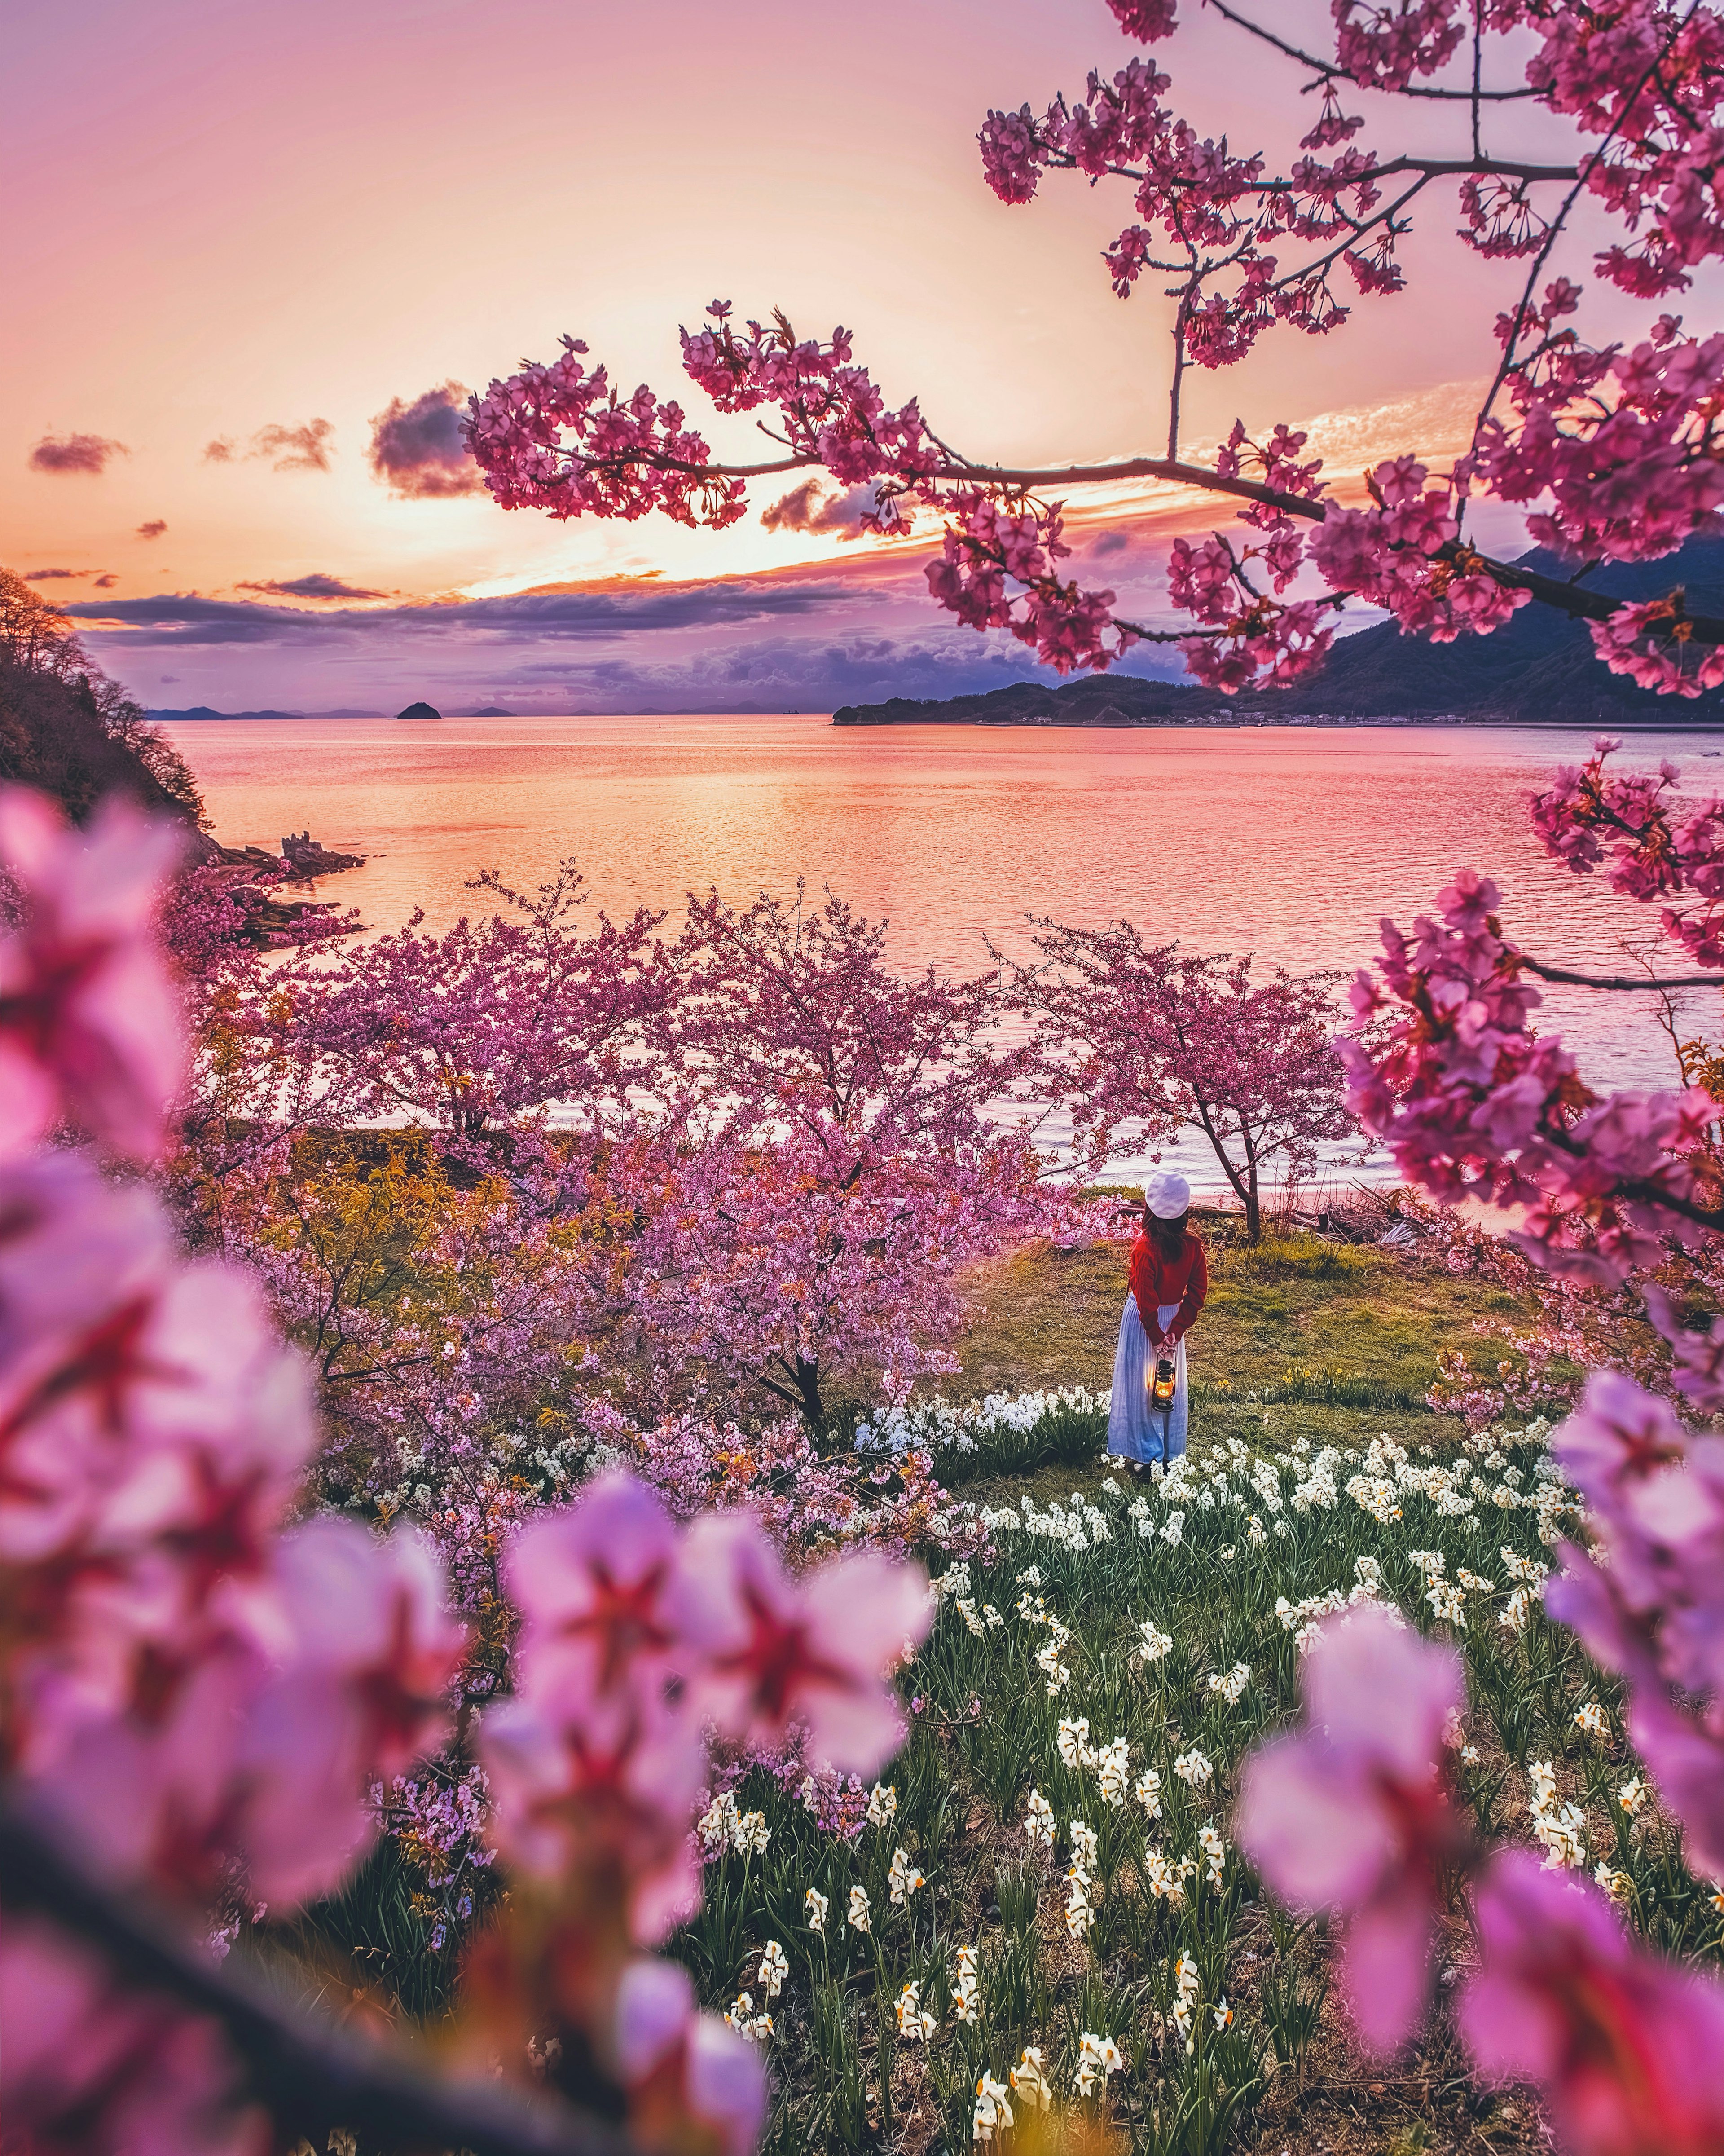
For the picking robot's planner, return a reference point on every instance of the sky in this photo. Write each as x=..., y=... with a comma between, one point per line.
x=264, y=251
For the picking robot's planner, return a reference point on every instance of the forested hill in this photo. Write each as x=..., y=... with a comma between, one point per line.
x=69, y=731
x=1539, y=667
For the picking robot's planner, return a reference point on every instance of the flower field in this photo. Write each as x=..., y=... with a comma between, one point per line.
x=1041, y=1901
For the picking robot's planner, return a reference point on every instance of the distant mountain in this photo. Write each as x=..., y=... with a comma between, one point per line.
x=490, y=712
x=1538, y=668
x=203, y=711
x=420, y=712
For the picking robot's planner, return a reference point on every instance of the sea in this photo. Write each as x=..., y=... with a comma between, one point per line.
x=1290, y=844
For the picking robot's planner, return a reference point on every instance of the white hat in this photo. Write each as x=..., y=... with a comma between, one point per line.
x=1167, y=1195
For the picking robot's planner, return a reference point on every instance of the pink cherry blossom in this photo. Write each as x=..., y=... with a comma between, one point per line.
x=1651, y=1607
x=1622, y=2045
x=1351, y=1813
x=594, y=1583
x=89, y=1028
x=812, y=1651
x=666, y=2050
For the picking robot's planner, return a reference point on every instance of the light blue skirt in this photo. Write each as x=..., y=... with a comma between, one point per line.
x=1135, y=1429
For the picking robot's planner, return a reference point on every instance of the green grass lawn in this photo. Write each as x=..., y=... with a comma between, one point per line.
x=1042, y=1317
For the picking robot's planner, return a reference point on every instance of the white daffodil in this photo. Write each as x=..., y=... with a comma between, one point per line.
x=967, y=1994
x=1072, y=1743
x=993, y=2110
x=914, y=2023
x=1098, y=2057
x=902, y=1878
x=1194, y=1768
x=1029, y=2082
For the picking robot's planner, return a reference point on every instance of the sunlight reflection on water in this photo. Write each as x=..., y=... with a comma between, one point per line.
x=1289, y=842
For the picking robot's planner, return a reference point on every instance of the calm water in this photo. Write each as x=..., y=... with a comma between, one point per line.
x=1285, y=841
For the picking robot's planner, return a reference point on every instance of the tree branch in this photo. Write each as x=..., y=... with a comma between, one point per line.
x=1618, y=980
x=1328, y=70
x=312, y=2076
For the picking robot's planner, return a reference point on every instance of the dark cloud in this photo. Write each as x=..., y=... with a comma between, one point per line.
x=106, y=583
x=154, y=529
x=1111, y=542
x=294, y=449
x=807, y=508
x=317, y=585
x=220, y=451
x=75, y=453
x=579, y=616
x=417, y=449
x=52, y=575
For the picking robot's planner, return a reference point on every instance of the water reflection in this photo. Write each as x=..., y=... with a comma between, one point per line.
x=1290, y=842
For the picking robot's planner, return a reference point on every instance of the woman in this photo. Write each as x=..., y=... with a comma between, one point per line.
x=1169, y=1283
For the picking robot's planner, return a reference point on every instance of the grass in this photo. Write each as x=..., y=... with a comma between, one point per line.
x=1294, y=1318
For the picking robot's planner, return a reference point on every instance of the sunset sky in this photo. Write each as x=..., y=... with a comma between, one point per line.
x=245, y=234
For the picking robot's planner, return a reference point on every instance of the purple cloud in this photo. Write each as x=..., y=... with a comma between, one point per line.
x=75, y=453
x=317, y=585
x=294, y=448
x=106, y=583
x=52, y=575
x=417, y=450
x=154, y=529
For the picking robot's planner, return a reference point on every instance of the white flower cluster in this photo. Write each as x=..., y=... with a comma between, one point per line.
x=754, y=2028
x=1560, y=1830
x=966, y=1994
x=1080, y=1906
x=1231, y=1686
x=1029, y=2083
x=903, y=1879
x=1098, y=2057
x=994, y=2112
x=934, y=1426
x=882, y=1804
x=915, y=2022
x=721, y=1826
x=1188, y=1990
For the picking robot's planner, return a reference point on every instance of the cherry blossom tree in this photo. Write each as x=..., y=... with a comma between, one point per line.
x=1151, y=1040
x=1613, y=447
x=469, y=1031
x=836, y=1158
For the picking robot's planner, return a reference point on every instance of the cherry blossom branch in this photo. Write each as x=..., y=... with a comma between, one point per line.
x=1617, y=981
x=310, y=2074
x=1327, y=71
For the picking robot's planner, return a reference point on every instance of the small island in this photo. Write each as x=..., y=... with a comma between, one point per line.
x=420, y=712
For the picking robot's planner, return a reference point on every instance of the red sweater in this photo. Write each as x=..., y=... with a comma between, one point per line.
x=1156, y=1280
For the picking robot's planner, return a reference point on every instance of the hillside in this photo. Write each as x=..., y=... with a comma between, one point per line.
x=69, y=731
x=1539, y=668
